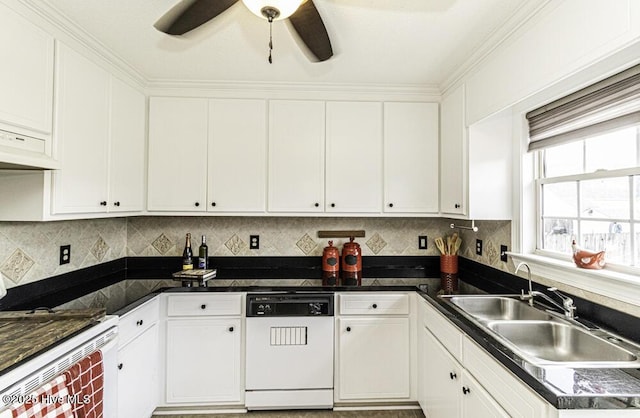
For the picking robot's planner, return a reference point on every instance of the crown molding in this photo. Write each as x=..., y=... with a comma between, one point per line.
x=293, y=90
x=524, y=14
x=78, y=35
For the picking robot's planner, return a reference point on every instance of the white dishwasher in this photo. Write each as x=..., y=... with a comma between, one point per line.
x=289, y=361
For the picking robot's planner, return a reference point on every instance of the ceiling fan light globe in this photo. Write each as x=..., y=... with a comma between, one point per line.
x=285, y=7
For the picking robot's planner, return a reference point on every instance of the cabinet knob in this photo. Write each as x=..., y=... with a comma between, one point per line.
x=203, y=306
x=374, y=306
x=197, y=204
x=230, y=329
x=333, y=205
x=457, y=206
x=103, y=203
x=213, y=204
x=390, y=205
x=120, y=366
x=116, y=203
x=465, y=390
x=348, y=329
x=452, y=375
x=140, y=322
x=316, y=204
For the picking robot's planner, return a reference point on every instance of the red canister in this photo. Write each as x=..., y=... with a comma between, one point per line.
x=351, y=264
x=330, y=265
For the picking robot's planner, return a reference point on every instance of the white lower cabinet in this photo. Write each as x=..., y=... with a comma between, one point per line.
x=373, y=348
x=138, y=361
x=362, y=344
x=459, y=379
x=204, y=354
x=203, y=360
x=137, y=376
x=450, y=391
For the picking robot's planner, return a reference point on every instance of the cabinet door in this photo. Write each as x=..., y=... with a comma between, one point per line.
x=26, y=76
x=476, y=402
x=296, y=156
x=137, y=375
x=354, y=157
x=203, y=362
x=127, y=148
x=82, y=134
x=411, y=157
x=373, y=359
x=237, y=155
x=177, y=154
x=441, y=382
x=453, y=154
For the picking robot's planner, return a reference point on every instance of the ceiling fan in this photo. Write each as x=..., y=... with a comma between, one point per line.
x=303, y=15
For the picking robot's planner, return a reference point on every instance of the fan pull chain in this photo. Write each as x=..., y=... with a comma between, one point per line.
x=270, y=39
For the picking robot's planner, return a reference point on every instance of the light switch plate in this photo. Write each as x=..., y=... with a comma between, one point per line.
x=422, y=242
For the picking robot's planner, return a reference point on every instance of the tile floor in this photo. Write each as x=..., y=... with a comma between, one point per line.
x=411, y=413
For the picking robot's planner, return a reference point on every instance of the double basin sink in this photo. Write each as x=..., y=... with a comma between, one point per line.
x=543, y=338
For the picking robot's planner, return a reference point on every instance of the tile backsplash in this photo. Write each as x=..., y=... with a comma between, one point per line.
x=29, y=251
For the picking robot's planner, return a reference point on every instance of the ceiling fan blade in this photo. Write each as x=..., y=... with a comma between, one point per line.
x=308, y=23
x=189, y=14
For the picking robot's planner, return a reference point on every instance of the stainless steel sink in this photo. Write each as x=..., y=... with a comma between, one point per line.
x=490, y=308
x=557, y=342
x=543, y=339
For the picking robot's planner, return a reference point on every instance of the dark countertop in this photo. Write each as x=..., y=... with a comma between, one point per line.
x=564, y=388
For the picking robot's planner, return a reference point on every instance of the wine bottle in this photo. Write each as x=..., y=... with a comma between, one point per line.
x=187, y=254
x=203, y=254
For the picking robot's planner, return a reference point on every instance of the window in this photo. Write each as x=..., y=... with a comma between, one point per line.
x=588, y=184
x=589, y=190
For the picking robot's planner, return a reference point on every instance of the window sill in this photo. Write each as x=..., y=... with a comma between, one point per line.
x=620, y=286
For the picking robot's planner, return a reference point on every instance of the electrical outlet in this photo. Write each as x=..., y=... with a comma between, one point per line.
x=478, y=247
x=254, y=242
x=422, y=242
x=503, y=253
x=65, y=254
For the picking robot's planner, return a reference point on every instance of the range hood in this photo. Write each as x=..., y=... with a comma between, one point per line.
x=22, y=152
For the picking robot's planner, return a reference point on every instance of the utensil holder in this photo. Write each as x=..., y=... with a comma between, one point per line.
x=449, y=273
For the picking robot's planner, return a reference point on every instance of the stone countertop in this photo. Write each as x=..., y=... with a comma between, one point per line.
x=28, y=333
x=563, y=387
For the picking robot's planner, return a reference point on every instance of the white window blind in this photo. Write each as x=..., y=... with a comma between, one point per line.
x=610, y=104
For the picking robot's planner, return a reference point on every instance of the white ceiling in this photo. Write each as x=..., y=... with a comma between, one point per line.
x=382, y=42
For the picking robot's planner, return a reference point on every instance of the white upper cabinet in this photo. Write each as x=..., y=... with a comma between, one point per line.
x=296, y=156
x=453, y=148
x=127, y=153
x=475, y=162
x=411, y=157
x=177, y=178
x=26, y=75
x=237, y=155
x=354, y=157
x=81, y=134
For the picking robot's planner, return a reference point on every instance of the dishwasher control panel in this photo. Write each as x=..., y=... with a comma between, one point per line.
x=290, y=304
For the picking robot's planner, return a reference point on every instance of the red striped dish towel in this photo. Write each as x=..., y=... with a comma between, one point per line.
x=50, y=401
x=85, y=382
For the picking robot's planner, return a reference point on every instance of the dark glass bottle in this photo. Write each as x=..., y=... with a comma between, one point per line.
x=187, y=254
x=203, y=254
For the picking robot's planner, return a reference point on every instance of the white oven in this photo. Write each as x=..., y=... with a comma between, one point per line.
x=289, y=361
x=23, y=379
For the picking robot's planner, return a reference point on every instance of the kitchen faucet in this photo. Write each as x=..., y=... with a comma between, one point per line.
x=567, y=306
